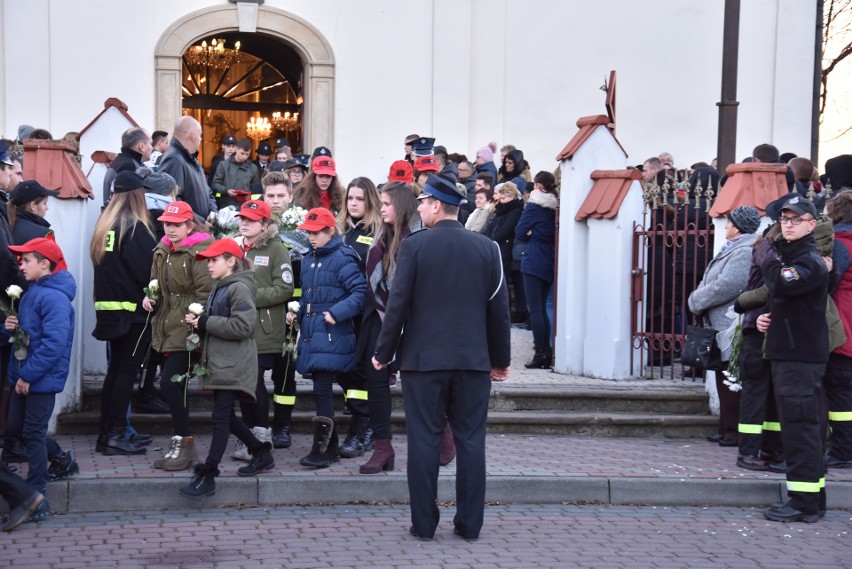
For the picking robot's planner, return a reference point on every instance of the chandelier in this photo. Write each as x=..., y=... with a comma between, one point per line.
x=285, y=122
x=258, y=128
x=214, y=56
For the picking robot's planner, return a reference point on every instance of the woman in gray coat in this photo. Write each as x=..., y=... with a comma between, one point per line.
x=725, y=277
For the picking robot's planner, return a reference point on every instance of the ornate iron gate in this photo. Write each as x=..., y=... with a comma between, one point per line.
x=671, y=249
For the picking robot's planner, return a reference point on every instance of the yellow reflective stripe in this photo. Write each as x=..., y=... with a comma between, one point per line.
x=297, y=292
x=356, y=394
x=284, y=399
x=806, y=486
x=257, y=197
x=116, y=305
x=771, y=426
x=840, y=415
x=747, y=429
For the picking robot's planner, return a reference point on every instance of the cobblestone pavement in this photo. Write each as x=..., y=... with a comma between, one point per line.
x=517, y=536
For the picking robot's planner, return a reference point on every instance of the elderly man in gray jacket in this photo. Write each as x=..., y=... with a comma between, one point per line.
x=725, y=277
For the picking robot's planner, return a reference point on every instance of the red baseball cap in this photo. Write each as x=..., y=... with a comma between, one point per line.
x=177, y=212
x=256, y=210
x=401, y=171
x=226, y=245
x=44, y=246
x=425, y=164
x=318, y=219
x=324, y=165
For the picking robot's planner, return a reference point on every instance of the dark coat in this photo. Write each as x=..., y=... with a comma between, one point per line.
x=232, y=176
x=331, y=282
x=29, y=226
x=9, y=268
x=126, y=160
x=449, y=303
x=189, y=175
x=502, y=228
x=46, y=314
x=537, y=226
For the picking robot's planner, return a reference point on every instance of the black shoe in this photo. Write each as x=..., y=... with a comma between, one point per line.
x=771, y=457
x=752, y=463
x=729, y=443
x=324, y=448
x=779, y=467
x=281, y=438
x=152, y=404
x=715, y=438
x=359, y=437
x=13, y=451
x=457, y=531
x=62, y=466
x=261, y=459
x=100, y=443
x=413, y=533
x=541, y=360
x=23, y=512
x=834, y=462
x=117, y=443
x=787, y=513
x=203, y=482
x=141, y=439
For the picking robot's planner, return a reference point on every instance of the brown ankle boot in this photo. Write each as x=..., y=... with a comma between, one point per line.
x=448, y=447
x=382, y=459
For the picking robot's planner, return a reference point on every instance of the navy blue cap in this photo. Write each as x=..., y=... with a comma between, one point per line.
x=801, y=205
x=293, y=163
x=442, y=190
x=282, y=142
x=320, y=151
x=29, y=190
x=229, y=140
x=127, y=181
x=277, y=166
x=264, y=148
x=302, y=159
x=5, y=157
x=423, y=146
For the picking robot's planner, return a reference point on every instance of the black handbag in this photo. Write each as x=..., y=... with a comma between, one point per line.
x=700, y=349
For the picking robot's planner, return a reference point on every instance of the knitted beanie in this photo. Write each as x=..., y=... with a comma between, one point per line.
x=745, y=218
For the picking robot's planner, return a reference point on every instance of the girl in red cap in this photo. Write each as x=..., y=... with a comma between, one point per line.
x=229, y=360
x=321, y=188
x=181, y=281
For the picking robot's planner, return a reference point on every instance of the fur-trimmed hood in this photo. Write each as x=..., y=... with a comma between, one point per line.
x=544, y=199
x=267, y=235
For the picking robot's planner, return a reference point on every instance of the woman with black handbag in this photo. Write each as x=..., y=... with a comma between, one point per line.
x=724, y=278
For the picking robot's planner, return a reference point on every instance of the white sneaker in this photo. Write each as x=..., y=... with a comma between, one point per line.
x=241, y=453
x=261, y=434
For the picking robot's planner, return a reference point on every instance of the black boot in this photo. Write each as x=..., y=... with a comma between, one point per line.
x=117, y=443
x=281, y=437
x=13, y=450
x=261, y=459
x=324, y=432
x=203, y=482
x=541, y=359
x=356, y=441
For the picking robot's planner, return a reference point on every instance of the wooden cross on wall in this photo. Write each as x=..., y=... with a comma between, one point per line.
x=610, y=101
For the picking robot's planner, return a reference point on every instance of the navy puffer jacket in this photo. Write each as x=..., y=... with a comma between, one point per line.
x=537, y=226
x=332, y=281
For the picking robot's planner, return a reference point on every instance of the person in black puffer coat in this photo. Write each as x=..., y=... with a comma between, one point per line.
x=502, y=230
x=27, y=206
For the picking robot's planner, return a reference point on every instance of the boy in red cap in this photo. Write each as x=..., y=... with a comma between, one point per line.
x=39, y=368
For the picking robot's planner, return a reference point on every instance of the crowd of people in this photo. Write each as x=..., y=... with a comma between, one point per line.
x=304, y=280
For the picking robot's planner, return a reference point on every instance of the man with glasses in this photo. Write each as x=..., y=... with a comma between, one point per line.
x=797, y=347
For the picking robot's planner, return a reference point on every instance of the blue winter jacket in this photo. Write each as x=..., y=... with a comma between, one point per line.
x=331, y=282
x=537, y=227
x=46, y=314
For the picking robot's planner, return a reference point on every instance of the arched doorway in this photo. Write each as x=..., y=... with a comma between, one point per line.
x=264, y=24
x=235, y=78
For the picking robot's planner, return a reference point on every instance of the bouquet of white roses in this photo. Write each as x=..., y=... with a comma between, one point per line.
x=295, y=239
x=225, y=222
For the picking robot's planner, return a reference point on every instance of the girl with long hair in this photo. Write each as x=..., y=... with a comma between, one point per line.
x=321, y=188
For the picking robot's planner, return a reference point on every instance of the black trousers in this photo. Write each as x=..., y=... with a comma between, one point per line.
x=225, y=421
x=256, y=413
x=377, y=383
x=838, y=391
x=430, y=399
x=123, y=368
x=759, y=426
x=176, y=363
x=797, y=394
x=284, y=391
x=13, y=488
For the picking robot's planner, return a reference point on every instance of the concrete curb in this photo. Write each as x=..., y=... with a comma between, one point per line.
x=151, y=494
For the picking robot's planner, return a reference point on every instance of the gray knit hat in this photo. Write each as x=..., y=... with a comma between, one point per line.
x=157, y=182
x=745, y=218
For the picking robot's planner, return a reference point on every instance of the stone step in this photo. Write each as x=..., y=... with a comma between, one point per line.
x=553, y=422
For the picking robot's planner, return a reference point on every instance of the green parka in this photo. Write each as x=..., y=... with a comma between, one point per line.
x=182, y=280
x=273, y=274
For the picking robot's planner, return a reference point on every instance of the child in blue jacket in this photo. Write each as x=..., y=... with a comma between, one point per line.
x=37, y=374
x=334, y=291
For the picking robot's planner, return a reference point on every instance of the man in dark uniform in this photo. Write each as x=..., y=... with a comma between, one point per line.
x=449, y=296
x=797, y=347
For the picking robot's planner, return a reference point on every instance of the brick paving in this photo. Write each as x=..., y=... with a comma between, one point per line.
x=514, y=536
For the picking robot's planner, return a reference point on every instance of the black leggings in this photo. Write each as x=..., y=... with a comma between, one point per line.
x=176, y=363
x=123, y=368
x=377, y=382
x=225, y=421
x=256, y=413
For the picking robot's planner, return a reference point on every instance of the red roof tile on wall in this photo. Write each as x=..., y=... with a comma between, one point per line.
x=111, y=102
x=587, y=126
x=607, y=193
x=52, y=164
x=750, y=183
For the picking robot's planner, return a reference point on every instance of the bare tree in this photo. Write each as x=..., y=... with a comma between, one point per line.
x=836, y=41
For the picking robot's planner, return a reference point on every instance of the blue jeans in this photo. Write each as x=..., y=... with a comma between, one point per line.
x=29, y=416
x=537, y=290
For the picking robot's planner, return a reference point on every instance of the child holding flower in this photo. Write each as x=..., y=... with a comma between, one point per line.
x=182, y=281
x=39, y=368
x=229, y=360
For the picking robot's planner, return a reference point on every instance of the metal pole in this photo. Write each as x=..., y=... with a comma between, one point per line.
x=817, y=83
x=726, y=148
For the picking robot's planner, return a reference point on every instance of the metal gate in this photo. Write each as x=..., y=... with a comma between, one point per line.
x=671, y=250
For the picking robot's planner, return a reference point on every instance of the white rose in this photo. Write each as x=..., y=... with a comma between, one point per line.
x=154, y=285
x=196, y=308
x=293, y=306
x=14, y=291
